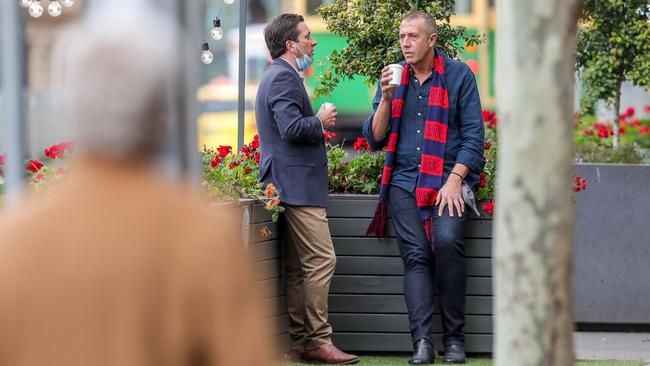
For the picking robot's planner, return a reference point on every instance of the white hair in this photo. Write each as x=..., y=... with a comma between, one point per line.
x=119, y=68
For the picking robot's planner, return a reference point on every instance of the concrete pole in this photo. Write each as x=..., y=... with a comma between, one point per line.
x=241, y=100
x=13, y=92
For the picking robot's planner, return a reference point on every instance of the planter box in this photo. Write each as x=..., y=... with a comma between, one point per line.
x=612, y=246
x=367, y=308
x=266, y=253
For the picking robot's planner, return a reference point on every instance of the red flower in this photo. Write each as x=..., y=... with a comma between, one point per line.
x=233, y=164
x=361, y=144
x=635, y=123
x=647, y=108
x=488, y=115
x=621, y=130
x=611, y=132
x=487, y=146
x=488, y=208
x=643, y=130
x=215, y=162
x=483, y=182
x=588, y=132
x=257, y=157
x=629, y=112
x=40, y=177
x=58, y=150
x=490, y=118
x=247, y=171
x=579, y=184
x=328, y=136
x=224, y=150
x=256, y=142
x=33, y=165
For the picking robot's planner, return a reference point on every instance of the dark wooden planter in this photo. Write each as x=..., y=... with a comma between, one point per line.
x=367, y=308
x=266, y=253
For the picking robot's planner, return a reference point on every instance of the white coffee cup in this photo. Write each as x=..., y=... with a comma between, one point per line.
x=396, y=78
x=328, y=105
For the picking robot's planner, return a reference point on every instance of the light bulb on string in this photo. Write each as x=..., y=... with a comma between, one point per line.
x=206, y=55
x=229, y=2
x=216, y=33
x=25, y=3
x=54, y=8
x=67, y=3
x=36, y=9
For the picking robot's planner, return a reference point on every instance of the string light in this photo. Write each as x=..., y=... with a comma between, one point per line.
x=206, y=55
x=54, y=7
x=36, y=9
x=216, y=33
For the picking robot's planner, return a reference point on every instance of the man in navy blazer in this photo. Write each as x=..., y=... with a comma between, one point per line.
x=293, y=158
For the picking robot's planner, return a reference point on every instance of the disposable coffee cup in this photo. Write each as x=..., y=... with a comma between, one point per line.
x=396, y=78
x=328, y=105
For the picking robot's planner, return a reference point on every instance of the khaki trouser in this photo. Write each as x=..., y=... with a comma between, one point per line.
x=309, y=264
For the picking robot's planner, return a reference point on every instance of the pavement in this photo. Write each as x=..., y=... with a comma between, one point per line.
x=612, y=346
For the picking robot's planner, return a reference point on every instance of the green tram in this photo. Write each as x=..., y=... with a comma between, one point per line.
x=217, y=123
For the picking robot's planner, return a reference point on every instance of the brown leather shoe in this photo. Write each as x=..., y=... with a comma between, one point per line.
x=330, y=355
x=295, y=355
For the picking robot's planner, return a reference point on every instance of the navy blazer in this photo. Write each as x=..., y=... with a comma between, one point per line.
x=293, y=155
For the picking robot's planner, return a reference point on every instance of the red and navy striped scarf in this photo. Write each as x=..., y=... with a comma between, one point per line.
x=433, y=150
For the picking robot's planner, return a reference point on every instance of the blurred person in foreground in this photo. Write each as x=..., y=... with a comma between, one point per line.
x=293, y=158
x=116, y=266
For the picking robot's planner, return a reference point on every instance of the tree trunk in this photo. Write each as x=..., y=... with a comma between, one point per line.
x=536, y=43
x=617, y=112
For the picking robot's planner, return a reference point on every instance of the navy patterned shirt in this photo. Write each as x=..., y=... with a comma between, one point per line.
x=465, y=134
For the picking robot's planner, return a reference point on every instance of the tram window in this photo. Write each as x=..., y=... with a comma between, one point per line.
x=463, y=6
x=312, y=5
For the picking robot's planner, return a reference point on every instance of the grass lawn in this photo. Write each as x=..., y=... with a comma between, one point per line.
x=402, y=360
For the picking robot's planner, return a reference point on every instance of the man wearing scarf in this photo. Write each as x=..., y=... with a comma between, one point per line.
x=432, y=129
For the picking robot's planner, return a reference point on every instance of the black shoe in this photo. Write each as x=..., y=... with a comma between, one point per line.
x=423, y=354
x=454, y=354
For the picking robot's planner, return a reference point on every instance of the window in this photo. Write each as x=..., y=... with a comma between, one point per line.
x=463, y=6
x=312, y=5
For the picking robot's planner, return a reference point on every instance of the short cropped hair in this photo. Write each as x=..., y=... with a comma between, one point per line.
x=117, y=82
x=428, y=19
x=282, y=29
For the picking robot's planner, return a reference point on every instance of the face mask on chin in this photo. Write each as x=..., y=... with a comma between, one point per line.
x=305, y=61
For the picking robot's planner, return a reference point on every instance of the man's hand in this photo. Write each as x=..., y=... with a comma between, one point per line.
x=450, y=195
x=327, y=115
x=387, y=90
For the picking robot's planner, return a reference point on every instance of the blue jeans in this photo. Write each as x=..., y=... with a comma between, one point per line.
x=424, y=271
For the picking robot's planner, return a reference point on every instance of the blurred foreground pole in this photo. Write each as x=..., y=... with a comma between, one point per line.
x=241, y=98
x=13, y=100
x=534, y=216
x=192, y=22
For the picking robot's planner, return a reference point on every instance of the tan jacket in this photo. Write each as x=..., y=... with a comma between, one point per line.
x=116, y=268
